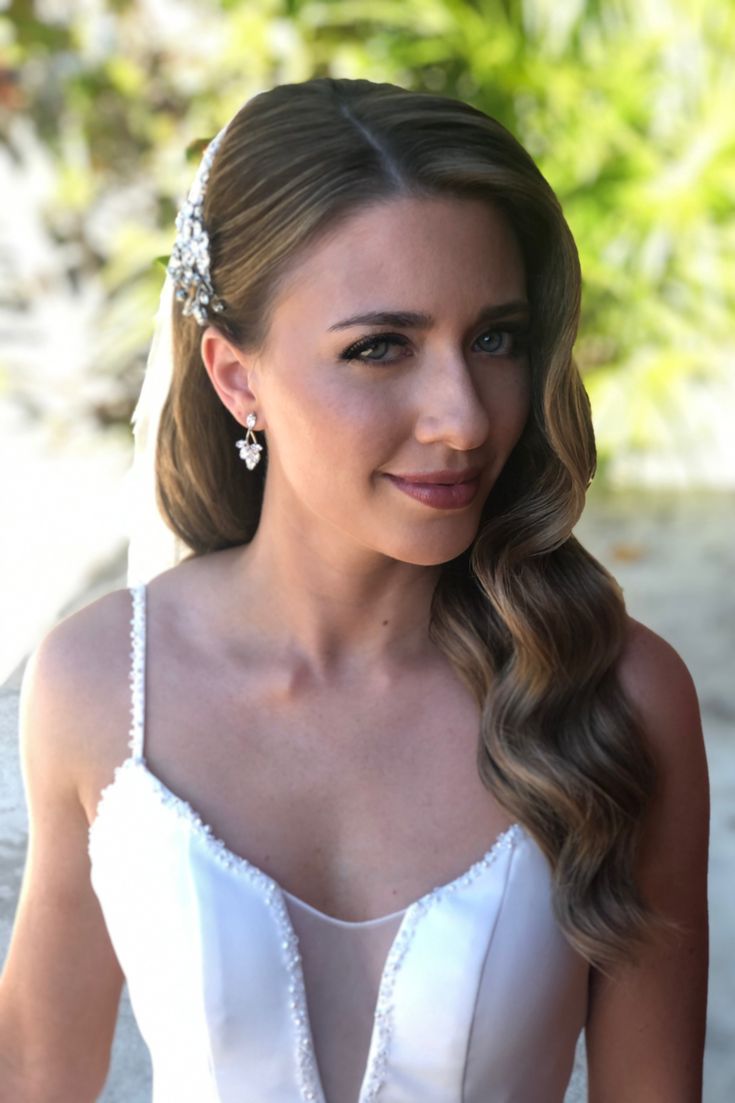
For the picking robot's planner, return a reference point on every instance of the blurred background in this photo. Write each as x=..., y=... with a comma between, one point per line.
x=628, y=108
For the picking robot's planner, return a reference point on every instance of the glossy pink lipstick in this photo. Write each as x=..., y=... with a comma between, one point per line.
x=441, y=489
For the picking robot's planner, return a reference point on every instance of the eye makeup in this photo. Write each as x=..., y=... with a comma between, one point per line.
x=514, y=343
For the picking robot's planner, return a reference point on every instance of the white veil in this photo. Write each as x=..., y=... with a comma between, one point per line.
x=153, y=547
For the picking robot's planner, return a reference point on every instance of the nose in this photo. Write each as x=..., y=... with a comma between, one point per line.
x=449, y=405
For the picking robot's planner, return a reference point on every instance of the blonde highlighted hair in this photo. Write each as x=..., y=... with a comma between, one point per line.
x=532, y=623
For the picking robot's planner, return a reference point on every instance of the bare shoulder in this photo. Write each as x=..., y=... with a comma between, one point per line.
x=649, y=663
x=661, y=689
x=87, y=632
x=75, y=683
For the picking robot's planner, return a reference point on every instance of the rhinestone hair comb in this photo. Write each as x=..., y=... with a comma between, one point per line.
x=189, y=262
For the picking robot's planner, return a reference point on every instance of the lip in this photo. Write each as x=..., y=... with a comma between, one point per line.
x=444, y=477
x=455, y=495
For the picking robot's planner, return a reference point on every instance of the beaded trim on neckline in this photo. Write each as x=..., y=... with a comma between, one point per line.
x=134, y=771
x=137, y=756
x=167, y=800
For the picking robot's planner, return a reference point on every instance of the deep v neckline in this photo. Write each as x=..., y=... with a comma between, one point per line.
x=136, y=758
x=236, y=862
x=310, y=1082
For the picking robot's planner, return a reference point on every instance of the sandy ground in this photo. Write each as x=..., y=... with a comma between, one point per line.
x=674, y=557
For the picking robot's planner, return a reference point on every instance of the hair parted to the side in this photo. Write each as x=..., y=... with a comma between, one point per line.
x=530, y=620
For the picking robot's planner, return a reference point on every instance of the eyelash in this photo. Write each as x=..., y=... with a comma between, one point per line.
x=518, y=334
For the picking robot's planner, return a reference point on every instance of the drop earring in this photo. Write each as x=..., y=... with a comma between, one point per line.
x=249, y=448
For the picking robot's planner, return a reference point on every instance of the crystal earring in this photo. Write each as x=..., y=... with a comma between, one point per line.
x=249, y=448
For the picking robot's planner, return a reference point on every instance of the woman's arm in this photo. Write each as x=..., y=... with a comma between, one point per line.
x=61, y=983
x=645, y=1029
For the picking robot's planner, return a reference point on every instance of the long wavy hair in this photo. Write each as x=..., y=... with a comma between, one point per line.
x=531, y=622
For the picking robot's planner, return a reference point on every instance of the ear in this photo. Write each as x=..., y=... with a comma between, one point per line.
x=232, y=374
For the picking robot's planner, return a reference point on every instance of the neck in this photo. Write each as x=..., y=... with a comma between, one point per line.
x=334, y=607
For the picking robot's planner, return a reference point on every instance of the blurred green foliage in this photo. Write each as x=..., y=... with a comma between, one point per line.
x=627, y=106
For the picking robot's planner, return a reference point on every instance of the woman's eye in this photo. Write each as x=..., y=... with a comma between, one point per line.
x=369, y=344
x=503, y=342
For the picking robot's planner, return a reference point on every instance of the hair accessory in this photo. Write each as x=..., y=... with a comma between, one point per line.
x=249, y=448
x=188, y=264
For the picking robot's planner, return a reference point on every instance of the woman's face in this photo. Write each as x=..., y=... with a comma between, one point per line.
x=346, y=403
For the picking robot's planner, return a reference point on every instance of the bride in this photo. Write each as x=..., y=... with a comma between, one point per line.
x=366, y=785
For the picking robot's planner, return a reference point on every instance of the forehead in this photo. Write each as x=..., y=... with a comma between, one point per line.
x=436, y=254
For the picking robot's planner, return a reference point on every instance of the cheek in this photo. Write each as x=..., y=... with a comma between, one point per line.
x=507, y=399
x=320, y=424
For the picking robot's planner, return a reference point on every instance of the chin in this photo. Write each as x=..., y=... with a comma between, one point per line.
x=432, y=553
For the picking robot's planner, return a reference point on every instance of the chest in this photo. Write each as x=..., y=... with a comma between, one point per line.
x=357, y=799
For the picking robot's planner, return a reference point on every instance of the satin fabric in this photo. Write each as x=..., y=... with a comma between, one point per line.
x=244, y=994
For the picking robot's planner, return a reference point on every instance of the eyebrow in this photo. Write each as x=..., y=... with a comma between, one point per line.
x=409, y=319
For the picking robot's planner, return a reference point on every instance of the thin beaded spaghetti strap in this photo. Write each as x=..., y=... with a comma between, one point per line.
x=137, y=671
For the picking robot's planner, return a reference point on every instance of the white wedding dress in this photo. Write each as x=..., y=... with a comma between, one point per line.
x=245, y=994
